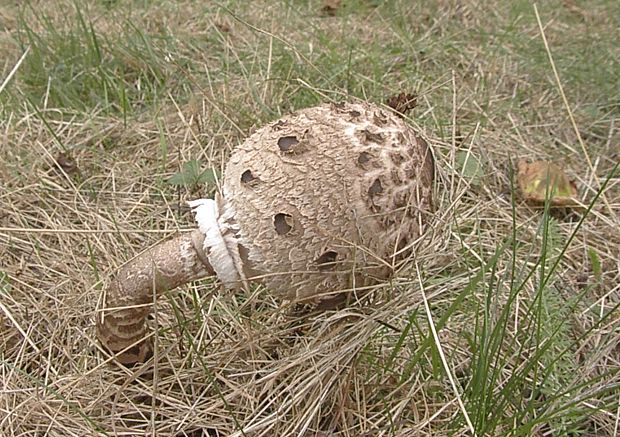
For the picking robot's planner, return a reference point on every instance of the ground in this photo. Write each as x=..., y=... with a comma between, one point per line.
x=506, y=321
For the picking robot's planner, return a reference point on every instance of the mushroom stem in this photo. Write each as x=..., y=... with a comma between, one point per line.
x=128, y=299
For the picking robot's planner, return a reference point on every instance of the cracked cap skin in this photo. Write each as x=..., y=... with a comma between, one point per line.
x=329, y=198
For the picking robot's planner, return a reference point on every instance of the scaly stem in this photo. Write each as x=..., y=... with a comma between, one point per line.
x=131, y=293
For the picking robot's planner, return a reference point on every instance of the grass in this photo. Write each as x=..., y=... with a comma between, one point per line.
x=524, y=301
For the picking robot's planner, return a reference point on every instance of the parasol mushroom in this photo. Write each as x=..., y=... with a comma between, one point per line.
x=327, y=199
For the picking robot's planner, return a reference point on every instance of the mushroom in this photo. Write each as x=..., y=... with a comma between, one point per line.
x=327, y=199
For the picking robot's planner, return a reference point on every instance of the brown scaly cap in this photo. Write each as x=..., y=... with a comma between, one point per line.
x=330, y=197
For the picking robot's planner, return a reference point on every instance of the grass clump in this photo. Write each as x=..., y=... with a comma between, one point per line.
x=75, y=66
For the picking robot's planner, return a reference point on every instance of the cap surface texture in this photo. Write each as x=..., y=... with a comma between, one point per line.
x=329, y=198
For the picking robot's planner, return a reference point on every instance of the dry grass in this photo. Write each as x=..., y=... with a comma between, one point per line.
x=532, y=352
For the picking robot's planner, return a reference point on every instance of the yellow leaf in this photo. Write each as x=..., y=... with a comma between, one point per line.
x=540, y=180
x=330, y=7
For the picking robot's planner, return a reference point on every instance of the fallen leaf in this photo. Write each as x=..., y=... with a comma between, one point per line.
x=470, y=166
x=402, y=103
x=540, y=180
x=330, y=7
x=66, y=163
x=223, y=27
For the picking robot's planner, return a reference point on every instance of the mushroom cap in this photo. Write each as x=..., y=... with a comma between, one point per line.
x=329, y=198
